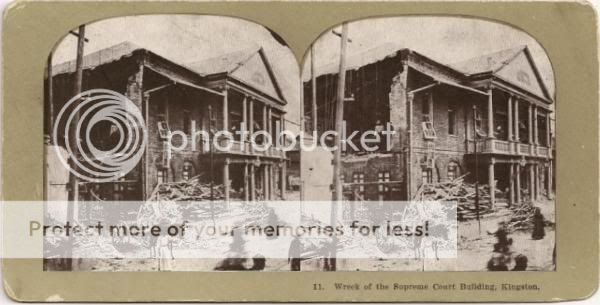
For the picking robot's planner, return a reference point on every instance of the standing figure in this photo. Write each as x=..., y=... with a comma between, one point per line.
x=294, y=254
x=502, y=254
x=538, y=225
x=236, y=259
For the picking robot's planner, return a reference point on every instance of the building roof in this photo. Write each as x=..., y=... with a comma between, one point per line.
x=250, y=66
x=356, y=61
x=94, y=59
x=488, y=62
x=495, y=63
x=241, y=64
x=225, y=63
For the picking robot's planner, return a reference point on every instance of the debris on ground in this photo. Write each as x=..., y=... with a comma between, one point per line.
x=186, y=190
x=460, y=191
x=523, y=217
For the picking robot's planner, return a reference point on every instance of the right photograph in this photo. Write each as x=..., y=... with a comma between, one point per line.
x=447, y=109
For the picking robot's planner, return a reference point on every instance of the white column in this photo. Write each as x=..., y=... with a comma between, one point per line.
x=531, y=182
x=283, y=179
x=244, y=120
x=252, y=182
x=549, y=179
x=246, y=188
x=225, y=110
x=535, y=126
x=491, y=181
x=530, y=123
x=490, y=114
x=518, y=183
x=226, y=185
x=516, y=121
x=510, y=119
x=511, y=182
x=548, y=138
x=251, y=131
x=265, y=182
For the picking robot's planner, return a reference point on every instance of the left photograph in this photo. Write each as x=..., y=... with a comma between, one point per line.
x=167, y=108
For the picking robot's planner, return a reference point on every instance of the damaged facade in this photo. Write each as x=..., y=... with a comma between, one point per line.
x=494, y=108
x=214, y=95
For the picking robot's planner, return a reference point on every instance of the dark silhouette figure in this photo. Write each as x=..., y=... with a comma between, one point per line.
x=520, y=263
x=258, y=263
x=538, y=225
x=235, y=260
x=502, y=254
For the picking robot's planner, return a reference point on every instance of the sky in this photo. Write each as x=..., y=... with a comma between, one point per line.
x=444, y=39
x=191, y=38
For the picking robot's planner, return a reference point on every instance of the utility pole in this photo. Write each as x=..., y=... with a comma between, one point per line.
x=313, y=87
x=212, y=162
x=339, y=119
x=475, y=134
x=339, y=115
x=49, y=97
x=73, y=139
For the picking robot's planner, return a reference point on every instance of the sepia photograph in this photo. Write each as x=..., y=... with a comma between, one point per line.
x=194, y=143
x=470, y=103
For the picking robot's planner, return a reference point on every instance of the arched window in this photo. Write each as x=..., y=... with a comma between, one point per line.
x=188, y=168
x=453, y=170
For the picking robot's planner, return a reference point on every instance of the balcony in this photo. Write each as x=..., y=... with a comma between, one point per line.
x=500, y=147
x=245, y=148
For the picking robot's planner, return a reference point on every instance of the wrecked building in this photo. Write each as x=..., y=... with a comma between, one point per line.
x=217, y=94
x=493, y=111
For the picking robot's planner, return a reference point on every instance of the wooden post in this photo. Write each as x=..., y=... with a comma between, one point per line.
x=74, y=182
x=73, y=195
x=491, y=181
x=408, y=158
x=145, y=163
x=314, y=88
x=50, y=99
x=339, y=118
x=490, y=114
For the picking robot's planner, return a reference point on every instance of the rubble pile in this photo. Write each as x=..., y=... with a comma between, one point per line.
x=461, y=192
x=522, y=218
x=188, y=190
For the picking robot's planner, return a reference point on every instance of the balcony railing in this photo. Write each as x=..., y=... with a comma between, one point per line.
x=246, y=148
x=494, y=146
